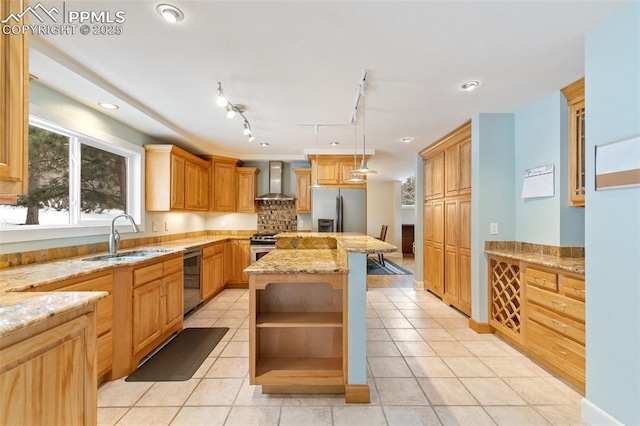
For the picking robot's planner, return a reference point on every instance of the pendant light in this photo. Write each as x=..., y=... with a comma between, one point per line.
x=363, y=166
x=316, y=184
x=354, y=176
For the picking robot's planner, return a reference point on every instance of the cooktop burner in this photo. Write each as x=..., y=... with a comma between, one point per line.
x=263, y=239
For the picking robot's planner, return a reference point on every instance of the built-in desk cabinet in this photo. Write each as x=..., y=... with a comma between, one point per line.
x=14, y=107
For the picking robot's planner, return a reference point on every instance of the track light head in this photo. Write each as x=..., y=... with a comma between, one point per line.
x=220, y=99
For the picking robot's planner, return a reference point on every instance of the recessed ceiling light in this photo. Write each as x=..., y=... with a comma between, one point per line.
x=334, y=143
x=107, y=105
x=170, y=13
x=264, y=144
x=407, y=139
x=469, y=85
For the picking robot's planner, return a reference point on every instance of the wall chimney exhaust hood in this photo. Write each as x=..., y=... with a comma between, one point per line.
x=275, y=184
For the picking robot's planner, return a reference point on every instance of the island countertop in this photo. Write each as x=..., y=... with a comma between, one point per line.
x=348, y=241
x=311, y=261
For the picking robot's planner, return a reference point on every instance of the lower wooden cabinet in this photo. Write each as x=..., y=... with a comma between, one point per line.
x=434, y=247
x=212, y=277
x=457, y=256
x=48, y=372
x=505, y=298
x=237, y=257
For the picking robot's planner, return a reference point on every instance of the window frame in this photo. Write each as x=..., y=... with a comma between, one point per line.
x=407, y=206
x=91, y=136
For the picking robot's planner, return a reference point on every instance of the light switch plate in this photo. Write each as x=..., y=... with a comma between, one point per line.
x=166, y=225
x=301, y=223
x=154, y=226
x=493, y=228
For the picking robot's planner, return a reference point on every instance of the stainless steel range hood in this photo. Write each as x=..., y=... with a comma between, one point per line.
x=275, y=184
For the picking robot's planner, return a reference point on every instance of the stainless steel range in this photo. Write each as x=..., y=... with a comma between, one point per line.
x=261, y=244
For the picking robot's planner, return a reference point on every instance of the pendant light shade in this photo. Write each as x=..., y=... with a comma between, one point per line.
x=363, y=165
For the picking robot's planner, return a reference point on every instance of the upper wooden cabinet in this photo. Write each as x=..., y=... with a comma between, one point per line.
x=575, y=100
x=334, y=171
x=247, y=189
x=175, y=179
x=303, y=190
x=224, y=183
x=434, y=176
x=14, y=108
x=458, y=167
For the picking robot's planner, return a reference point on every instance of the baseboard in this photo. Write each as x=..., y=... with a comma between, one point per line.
x=480, y=327
x=418, y=285
x=594, y=415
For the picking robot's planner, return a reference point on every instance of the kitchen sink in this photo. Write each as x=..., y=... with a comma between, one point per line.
x=127, y=256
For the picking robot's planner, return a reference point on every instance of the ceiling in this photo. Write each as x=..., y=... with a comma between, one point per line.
x=299, y=62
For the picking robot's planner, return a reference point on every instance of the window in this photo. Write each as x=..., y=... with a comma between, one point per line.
x=408, y=191
x=75, y=180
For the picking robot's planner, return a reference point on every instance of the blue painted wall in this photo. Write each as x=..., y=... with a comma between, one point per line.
x=492, y=198
x=541, y=139
x=612, y=79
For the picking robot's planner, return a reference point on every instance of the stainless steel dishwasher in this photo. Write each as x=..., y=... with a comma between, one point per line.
x=191, y=281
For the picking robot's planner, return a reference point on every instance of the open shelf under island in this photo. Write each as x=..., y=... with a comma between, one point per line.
x=307, y=315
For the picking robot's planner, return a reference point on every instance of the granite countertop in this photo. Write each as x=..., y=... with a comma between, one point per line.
x=19, y=310
x=349, y=242
x=309, y=261
x=21, y=278
x=574, y=265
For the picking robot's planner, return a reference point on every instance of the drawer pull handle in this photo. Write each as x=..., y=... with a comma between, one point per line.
x=559, y=324
x=563, y=353
x=578, y=290
x=562, y=306
x=540, y=281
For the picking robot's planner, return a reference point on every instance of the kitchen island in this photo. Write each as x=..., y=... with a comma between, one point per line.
x=307, y=314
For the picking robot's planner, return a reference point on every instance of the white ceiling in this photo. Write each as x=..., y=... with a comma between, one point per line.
x=299, y=62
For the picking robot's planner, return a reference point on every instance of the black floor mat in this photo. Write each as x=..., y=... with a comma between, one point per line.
x=181, y=357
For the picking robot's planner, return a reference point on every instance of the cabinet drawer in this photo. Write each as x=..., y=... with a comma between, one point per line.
x=146, y=274
x=104, y=283
x=541, y=279
x=562, y=351
x=172, y=266
x=556, y=302
x=556, y=322
x=105, y=353
x=212, y=250
x=572, y=287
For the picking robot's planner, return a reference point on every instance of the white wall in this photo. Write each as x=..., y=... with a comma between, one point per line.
x=384, y=208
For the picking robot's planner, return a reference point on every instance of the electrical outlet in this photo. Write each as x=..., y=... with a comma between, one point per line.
x=223, y=224
x=154, y=226
x=166, y=225
x=301, y=223
x=493, y=228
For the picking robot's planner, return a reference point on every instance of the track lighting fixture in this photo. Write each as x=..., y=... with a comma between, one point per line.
x=316, y=184
x=354, y=176
x=232, y=110
x=363, y=165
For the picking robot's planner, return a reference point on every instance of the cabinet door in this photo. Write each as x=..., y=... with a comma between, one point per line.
x=451, y=166
x=451, y=287
x=147, y=318
x=207, y=282
x=14, y=108
x=218, y=271
x=303, y=190
x=172, y=302
x=438, y=178
x=464, y=172
x=246, y=190
x=177, y=182
x=203, y=188
x=428, y=178
x=464, y=256
x=242, y=259
x=225, y=187
x=192, y=186
x=328, y=172
x=437, y=263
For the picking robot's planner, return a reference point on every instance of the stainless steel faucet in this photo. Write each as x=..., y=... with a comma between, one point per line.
x=114, y=236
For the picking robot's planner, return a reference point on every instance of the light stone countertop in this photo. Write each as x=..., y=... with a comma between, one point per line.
x=349, y=242
x=574, y=265
x=19, y=310
x=305, y=261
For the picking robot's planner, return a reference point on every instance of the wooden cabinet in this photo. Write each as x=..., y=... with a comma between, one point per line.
x=212, y=280
x=247, y=189
x=447, y=218
x=48, y=371
x=303, y=190
x=196, y=187
x=99, y=281
x=434, y=247
x=505, y=298
x=555, y=321
x=175, y=179
x=575, y=100
x=14, y=108
x=457, y=258
x=224, y=184
x=334, y=170
x=297, y=333
x=434, y=176
x=237, y=257
x=157, y=304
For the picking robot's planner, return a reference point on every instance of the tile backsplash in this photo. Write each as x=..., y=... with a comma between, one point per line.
x=277, y=216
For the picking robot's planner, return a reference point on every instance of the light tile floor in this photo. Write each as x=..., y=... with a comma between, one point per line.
x=425, y=367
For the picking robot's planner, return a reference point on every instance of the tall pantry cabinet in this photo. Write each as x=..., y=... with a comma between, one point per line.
x=447, y=218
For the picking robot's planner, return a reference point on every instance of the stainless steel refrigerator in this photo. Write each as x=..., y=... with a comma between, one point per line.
x=346, y=207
